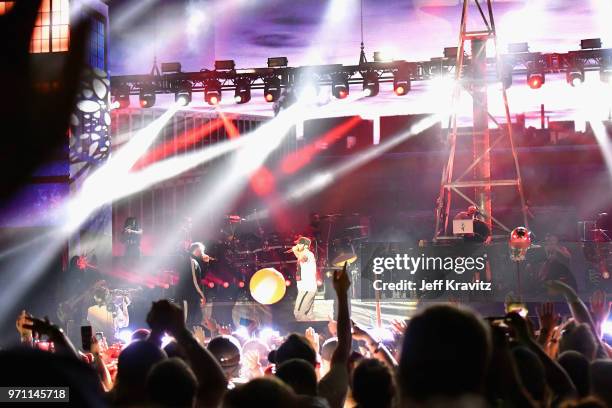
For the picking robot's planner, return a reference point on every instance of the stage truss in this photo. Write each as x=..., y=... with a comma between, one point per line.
x=473, y=79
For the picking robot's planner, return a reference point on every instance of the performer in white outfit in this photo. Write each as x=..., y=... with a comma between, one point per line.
x=306, y=278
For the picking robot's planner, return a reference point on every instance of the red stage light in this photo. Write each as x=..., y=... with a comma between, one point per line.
x=342, y=94
x=211, y=284
x=535, y=81
x=226, y=285
x=241, y=284
x=263, y=182
x=400, y=90
x=287, y=282
x=82, y=262
x=144, y=103
x=319, y=282
x=269, y=97
x=214, y=100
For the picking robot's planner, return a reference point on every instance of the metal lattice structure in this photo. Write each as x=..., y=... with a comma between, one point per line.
x=474, y=80
x=513, y=64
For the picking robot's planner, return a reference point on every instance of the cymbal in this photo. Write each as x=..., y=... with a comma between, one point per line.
x=354, y=227
x=342, y=258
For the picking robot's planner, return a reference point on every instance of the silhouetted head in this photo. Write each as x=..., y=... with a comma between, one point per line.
x=295, y=346
x=171, y=383
x=531, y=371
x=577, y=367
x=37, y=368
x=133, y=366
x=601, y=380
x=300, y=375
x=445, y=353
x=372, y=384
x=269, y=392
x=140, y=334
x=578, y=337
x=226, y=350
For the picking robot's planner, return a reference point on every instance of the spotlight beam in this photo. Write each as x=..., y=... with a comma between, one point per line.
x=187, y=139
x=295, y=161
x=230, y=178
x=324, y=179
x=77, y=209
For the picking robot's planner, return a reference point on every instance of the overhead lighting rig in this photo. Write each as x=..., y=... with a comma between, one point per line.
x=278, y=76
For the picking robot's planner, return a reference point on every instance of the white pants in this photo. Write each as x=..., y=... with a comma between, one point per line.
x=304, y=305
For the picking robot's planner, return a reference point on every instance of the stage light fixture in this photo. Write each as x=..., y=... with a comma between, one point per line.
x=225, y=65
x=272, y=89
x=590, y=43
x=401, y=83
x=340, y=86
x=575, y=78
x=451, y=52
x=277, y=62
x=382, y=56
x=212, y=92
x=370, y=83
x=121, y=97
x=183, y=94
x=242, y=94
x=147, y=97
x=170, y=67
x=536, y=80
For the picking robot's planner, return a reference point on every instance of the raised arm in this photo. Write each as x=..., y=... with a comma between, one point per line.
x=343, y=350
x=43, y=327
x=556, y=377
x=333, y=387
x=580, y=311
x=168, y=317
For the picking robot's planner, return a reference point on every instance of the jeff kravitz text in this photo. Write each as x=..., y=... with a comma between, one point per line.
x=436, y=285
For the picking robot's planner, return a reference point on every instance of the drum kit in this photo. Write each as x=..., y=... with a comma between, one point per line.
x=246, y=247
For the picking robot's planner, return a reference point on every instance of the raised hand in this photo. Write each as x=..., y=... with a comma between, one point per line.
x=519, y=325
x=198, y=333
x=547, y=317
x=167, y=317
x=313, y=338
x=561, y=288
x=341, y=280
x=41, y=327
